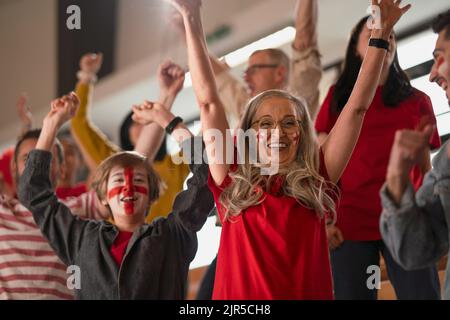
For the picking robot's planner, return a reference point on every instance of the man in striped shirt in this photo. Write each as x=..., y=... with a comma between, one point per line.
x=29, y=269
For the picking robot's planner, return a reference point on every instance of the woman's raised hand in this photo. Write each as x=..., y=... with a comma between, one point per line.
x=390, y=13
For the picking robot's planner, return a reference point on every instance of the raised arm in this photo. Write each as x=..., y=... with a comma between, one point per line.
x=232, y=92
x=306, y=24
x=64, y=231
x=306, y=64
x=171, y=79
x=192, y=206
x=93, y=144
x=212, y=113
x=342, y=139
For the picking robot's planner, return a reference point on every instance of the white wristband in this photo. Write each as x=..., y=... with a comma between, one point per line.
x=87, y=76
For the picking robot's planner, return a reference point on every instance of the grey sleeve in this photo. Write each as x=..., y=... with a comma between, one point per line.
x=64, y=231
x=192, y=206
x=416, y=231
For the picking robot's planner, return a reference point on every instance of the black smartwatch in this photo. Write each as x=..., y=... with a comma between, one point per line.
x=379, y=43
x=172, y=124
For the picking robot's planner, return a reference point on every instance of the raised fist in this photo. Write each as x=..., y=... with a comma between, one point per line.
x=408, y=149
x=62, y=110
x=171, y=78
x=91, y=63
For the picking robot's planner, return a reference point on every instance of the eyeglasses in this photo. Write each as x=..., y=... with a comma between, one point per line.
x=251, y=69
x=288, y=125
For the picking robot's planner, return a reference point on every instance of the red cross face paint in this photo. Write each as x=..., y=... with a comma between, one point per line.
x=127, y=191
x=295, y=138
x=277, y=146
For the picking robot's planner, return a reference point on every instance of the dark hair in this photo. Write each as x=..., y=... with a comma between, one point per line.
x=442, y=22
x=125, y=142
x=397, y=88
x=34, y=134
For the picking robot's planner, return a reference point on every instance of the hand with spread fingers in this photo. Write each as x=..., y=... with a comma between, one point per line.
x=390, y=12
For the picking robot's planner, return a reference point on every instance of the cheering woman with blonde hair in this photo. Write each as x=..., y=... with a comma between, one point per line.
x=273, y=243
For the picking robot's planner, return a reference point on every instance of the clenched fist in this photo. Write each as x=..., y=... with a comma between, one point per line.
x=171, y=78
x=407, y=151
x=62, y=110
x=91, y=63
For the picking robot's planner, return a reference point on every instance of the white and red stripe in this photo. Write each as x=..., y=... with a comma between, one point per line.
x=29, y=269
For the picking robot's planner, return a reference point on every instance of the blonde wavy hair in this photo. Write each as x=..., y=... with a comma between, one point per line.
x=302, y=180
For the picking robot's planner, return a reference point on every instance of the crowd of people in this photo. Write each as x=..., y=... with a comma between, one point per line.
x=353, y=178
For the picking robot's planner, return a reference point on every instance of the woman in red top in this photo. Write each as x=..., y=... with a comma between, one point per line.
x=273, y=243
x=355, y=240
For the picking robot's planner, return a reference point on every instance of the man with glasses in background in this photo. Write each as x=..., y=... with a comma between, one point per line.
x=272, y=68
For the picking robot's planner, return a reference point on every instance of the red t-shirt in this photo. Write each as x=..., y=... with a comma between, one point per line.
x=67, y=192
x=120, y=245
x=275, y=250
x=360, y=205
x=5, y=162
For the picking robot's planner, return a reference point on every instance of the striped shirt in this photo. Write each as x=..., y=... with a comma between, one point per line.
x=29, y=269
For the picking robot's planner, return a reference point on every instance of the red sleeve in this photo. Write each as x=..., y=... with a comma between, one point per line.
x=427, y=116
x=326, y=119
x=217, y=191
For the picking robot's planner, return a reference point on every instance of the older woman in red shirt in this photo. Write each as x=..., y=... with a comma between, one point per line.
x=273, y=243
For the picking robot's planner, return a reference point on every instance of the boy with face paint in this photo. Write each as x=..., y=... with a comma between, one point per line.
x=127, y=260
x=415, y=226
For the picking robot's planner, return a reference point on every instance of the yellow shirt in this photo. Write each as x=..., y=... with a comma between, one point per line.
x=97, y=145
